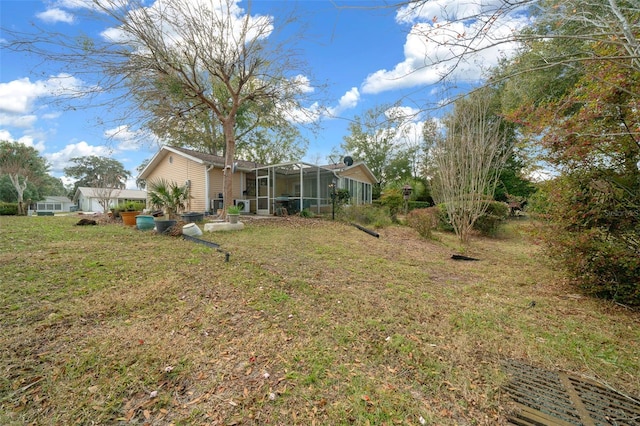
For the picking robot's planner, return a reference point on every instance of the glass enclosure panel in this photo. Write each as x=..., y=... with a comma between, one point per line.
x=263, y=203
x=263, y=189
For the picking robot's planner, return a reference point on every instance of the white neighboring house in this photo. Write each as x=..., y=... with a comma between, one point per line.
x=88, y=199
x=54, y=204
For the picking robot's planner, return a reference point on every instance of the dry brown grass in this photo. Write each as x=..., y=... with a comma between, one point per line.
x=311, y=322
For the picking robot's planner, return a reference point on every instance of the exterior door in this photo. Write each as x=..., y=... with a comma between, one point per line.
x=263, y=194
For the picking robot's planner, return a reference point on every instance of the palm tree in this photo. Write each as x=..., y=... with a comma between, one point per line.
x=168, y=196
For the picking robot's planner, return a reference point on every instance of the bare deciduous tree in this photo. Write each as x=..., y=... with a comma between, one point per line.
x=208, y=54
x=105, y=195
x=468, y=159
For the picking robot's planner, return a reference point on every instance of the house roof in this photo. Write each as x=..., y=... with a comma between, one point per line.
x=198, y=157
x=247, y=166
x=340, y=167
x=56, y=198
x=129, y=194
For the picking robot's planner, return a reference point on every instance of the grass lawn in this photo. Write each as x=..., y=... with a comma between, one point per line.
x=310, y=322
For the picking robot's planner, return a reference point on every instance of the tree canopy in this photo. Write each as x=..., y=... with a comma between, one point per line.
x=23, y=166
x=374, y=138
x=576, y=101
x=97, y=172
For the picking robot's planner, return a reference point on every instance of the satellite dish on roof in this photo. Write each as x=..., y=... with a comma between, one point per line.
x=348, y=160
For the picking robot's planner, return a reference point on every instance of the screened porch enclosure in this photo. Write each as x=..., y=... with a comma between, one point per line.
x=291, y=187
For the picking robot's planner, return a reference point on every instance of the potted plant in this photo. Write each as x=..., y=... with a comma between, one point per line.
x=233, y=213
x=171, y=198
x=129, y=210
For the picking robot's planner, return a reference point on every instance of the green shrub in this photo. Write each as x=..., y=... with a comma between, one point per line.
x=443, y=218
x=593, y=233
x=393, y=200
x=306, y=213
x=8, y=209
x=424, y=220
x=419, y=205
x=487, y=224
x=366, y=214
x=496, y=213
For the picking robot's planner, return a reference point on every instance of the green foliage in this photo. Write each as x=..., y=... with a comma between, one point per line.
x=306, y=213
x=419, y=205
x=393, y=200
x=342, y=196
x=487, y=224
x=24, y=168
x=366, y=214
x=539, y=202
x=424, y=220
x=8, y=209
x=97, y=172
x=496, y=213
x=511, y=181
x=371, y=139
x=233, y=210
x=131, y=206
x=594, y=232
x=444, y=224
x=601, y=265
x=168, y=196
x=582, y=114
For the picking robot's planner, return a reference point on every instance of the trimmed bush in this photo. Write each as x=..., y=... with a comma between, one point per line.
x=424, y=220
x=419, y=205
x=8, y=209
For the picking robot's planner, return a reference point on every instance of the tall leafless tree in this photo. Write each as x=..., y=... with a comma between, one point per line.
x=212, y=53
x=469, y=158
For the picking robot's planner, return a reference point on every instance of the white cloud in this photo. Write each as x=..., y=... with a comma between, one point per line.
x=52, y=115
x=450, y=10
x=18, y=96
x=61, y=159
x=169, y=19
x=20, y=121
x=51, y=16
x=452, y=40
x=5, y=135
x=127, y=139
x=27, y=140
x=348, y=101
x=303, y=84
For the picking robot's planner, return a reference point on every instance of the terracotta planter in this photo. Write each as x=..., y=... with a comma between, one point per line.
x=129, y=218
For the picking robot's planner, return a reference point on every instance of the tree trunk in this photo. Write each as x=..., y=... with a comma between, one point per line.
x=19, y=187
x=230, y=143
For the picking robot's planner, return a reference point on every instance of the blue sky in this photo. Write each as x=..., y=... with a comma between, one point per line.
x=367, y=53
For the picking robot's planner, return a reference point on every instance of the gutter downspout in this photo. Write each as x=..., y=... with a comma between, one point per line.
x=207, y=184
